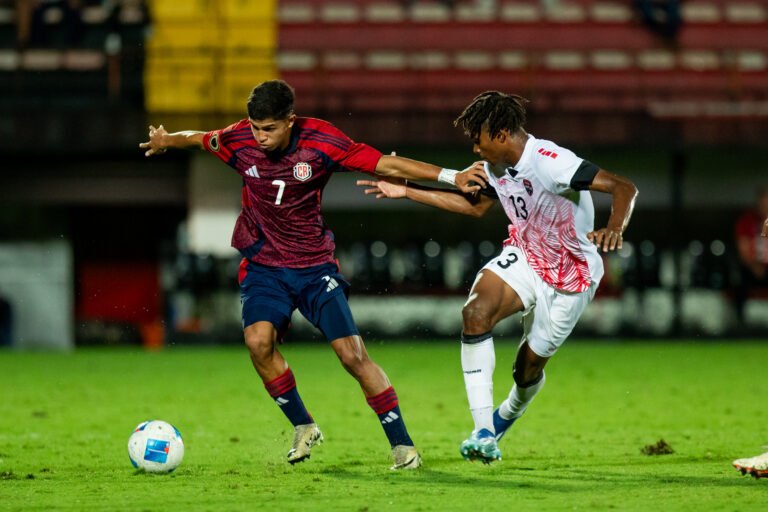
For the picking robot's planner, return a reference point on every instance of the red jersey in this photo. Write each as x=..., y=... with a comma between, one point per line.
x=280, y=224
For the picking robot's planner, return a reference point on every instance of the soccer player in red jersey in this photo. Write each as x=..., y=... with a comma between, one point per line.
x=288, y=262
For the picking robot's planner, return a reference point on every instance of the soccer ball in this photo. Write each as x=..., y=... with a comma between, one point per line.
x=156, y=447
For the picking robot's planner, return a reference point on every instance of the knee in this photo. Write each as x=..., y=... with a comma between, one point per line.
x=353, y=361
x=259, y=345
x=476, y=319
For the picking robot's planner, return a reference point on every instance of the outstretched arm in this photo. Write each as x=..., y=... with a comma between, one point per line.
x=160, y=140
x=624, y=193
x=450, y=200
x=471, y=180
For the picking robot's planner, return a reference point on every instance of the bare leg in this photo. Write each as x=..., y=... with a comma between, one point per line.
x=381, y=397
x=261, y=340
x=354, y=358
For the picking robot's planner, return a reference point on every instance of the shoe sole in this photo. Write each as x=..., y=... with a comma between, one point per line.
x=474, y=454
x=757, y=473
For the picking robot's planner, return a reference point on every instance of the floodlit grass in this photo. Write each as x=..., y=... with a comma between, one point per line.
x=65, y=421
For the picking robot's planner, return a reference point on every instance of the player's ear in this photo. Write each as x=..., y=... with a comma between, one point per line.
x=291, y=119
x=502, y=136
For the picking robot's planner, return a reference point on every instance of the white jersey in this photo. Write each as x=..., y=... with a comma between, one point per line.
x=549, y=218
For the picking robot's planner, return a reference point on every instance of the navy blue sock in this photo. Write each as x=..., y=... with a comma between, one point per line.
x=283, y=390
x=385, y=405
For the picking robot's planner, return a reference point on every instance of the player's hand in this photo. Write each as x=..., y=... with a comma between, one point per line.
x=472, y=179
x=610, y=239
x=765, y=228
x=392, y=188
x=154, y=146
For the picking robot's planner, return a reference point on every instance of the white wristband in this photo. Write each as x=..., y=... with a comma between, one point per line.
x=448, y=176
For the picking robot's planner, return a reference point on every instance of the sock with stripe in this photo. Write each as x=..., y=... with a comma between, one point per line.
x=386, y=407
x=478, y=360
x=286, y=395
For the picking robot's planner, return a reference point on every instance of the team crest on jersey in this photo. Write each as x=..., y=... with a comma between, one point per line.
x=528, y=187
x=302, y=171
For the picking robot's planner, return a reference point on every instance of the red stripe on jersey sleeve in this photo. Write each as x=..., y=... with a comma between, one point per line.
x=362, y=158
x=353, y=156
x=215, y=141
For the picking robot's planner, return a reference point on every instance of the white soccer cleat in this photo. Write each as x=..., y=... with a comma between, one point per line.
x=405, y=457
x=304, y=438
x=755, y=466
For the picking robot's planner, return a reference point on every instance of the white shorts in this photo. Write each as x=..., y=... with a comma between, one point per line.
x=550, y=315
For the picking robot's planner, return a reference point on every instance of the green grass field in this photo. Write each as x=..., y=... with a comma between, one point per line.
x=65, y=421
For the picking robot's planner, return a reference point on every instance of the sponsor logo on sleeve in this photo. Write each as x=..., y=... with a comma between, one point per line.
x=302, y=171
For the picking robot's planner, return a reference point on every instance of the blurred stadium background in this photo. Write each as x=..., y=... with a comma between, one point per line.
x=101, y=246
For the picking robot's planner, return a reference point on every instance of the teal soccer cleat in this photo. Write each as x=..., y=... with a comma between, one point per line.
x=481, y=446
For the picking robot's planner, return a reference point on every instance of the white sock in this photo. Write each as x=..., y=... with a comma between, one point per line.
x=478, y=361
x=519, y=398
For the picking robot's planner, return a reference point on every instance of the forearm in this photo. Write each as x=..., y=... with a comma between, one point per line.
x=399, y=167
x=622, y=207
x=449, y=200
x=188, y=139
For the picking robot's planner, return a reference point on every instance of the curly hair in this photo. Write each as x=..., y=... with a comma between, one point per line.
x=495, y=111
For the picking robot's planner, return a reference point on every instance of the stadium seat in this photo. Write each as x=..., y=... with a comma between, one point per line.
x=700, y=12
x=519, y=12
x=390, y=12
x=41, y=60
x=566, y=12
x=751, y=12
x=340, y=13
x=241, y=71
x=430, y=13
x=295, y=13
x=185, y=35
x=611, y=12
x=176, y=83
x=246, y=10
x=83, y=60
x=197, y=10
x=257, y=36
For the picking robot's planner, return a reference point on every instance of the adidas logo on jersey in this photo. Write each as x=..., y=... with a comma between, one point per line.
x=252, y=172
x=332, y=283
x=389, y=418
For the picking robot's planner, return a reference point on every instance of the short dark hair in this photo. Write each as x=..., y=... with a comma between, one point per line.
x=272, y=99
x=495, y=111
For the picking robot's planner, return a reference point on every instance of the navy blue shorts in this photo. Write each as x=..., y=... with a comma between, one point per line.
x=271, y=294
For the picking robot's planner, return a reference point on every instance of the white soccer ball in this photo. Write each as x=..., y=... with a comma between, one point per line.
x=156, y=447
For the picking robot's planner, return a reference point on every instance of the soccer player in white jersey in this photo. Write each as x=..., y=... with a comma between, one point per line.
x=549, y=267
